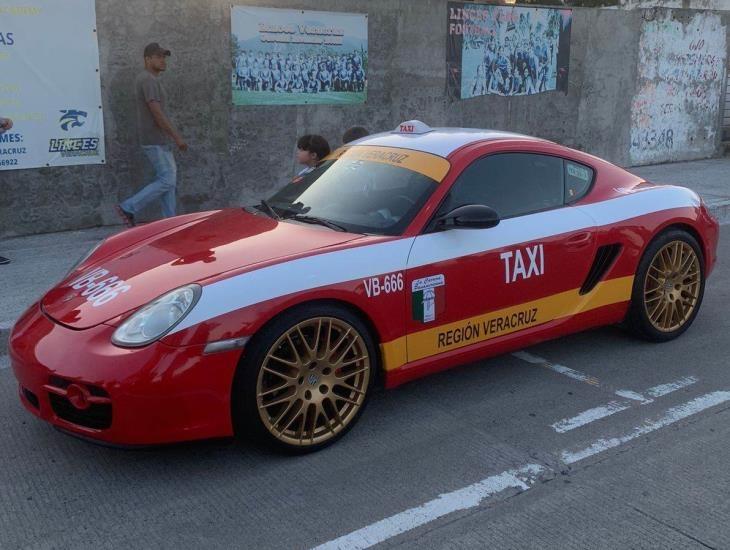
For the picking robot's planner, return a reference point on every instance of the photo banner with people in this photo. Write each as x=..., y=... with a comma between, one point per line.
x=293, y=57
x=49, y=84
x=506, y=50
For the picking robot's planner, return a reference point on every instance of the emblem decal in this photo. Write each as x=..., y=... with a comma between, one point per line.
x=427, y=294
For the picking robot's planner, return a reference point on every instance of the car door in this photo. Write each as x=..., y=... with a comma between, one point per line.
x=472, y=286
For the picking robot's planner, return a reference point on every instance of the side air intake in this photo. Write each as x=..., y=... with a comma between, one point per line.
x=605, y=256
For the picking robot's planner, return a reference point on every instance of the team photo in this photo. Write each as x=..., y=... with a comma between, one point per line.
x=294, y=57
x=513, y=51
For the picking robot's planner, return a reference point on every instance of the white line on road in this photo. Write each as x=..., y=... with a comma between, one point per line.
x=658, y=391
x=461, y=499
x=673, y=415
x=570, y=373
x=586, y=417
x=634, y=396
x=597, y=413
x=664, y=389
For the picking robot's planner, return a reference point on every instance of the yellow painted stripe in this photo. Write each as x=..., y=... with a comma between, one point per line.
x=465, y=332
x=429, y=165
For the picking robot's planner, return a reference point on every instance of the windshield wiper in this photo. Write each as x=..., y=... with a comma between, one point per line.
x=269, y=209
x=319, y=221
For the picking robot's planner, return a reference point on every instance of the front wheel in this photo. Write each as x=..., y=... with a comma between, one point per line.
x=305, y=379
x=668, y=287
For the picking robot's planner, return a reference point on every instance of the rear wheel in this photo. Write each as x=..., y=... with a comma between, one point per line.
x=305, y=379
x=668, y=287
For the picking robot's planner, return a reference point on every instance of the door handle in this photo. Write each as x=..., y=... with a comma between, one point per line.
x=580, y=240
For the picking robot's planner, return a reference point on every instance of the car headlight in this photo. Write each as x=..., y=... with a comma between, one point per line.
x=84, y=257
x=157, y=318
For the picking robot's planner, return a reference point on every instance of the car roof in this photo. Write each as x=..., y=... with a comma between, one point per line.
x=439, y=141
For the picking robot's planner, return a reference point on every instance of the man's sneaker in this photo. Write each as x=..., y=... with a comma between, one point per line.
x=126, y=216
x=4, y=260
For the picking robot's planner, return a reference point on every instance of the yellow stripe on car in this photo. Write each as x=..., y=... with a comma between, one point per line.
x=429, y=165
x=465, y=332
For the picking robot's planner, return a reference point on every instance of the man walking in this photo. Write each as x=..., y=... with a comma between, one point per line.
x=5, y=125
x=155, y=131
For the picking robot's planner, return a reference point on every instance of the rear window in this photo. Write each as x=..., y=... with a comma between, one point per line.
x=578, y=180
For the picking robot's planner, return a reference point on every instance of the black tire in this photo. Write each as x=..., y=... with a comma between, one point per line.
x=249, y=422
x=638, y=319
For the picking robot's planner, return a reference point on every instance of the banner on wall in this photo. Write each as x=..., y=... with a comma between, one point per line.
x=49, y=84
x=289, y=57
x=506, y=50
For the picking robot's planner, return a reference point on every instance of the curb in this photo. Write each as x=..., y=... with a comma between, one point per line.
x=720, y=210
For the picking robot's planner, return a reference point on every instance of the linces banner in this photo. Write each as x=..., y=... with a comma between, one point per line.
x=506, y=50
x=49, y=84
x=290, y=57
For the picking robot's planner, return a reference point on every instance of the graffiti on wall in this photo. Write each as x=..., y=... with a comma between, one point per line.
x=674, y=115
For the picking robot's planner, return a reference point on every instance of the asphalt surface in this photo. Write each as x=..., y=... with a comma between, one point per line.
x=529, y=451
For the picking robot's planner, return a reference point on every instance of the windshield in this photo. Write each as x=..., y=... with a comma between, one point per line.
x=364, y=189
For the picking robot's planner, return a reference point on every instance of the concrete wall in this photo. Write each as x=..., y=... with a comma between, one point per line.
x=239, y=154
x=681, y=70
x=676, y=4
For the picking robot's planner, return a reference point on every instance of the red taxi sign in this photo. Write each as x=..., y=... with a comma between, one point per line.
x=412, y=127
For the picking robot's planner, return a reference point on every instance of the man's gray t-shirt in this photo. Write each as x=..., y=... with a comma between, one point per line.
x=147, y=88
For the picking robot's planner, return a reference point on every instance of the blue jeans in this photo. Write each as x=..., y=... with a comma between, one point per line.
x=164, y=185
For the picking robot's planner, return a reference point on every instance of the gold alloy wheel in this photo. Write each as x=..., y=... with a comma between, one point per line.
x=313, y=381
x=672, y=286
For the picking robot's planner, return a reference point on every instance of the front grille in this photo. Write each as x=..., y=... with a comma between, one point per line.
x=98, y=414
x=32, y=398
x=98, y=417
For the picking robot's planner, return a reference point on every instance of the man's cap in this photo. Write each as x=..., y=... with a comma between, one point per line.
x=155, y=49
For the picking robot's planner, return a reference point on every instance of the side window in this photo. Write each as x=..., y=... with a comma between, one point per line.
x=512, y=183
x=578, y=179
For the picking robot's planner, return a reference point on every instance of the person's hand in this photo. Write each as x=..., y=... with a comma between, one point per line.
x=5, y=124
x=180, y=142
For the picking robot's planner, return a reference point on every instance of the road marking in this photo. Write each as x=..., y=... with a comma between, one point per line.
x=447, y=503
x=4, y=362
x=597, y=413
x=675, y=414
x=664, y=389
x=658, y=391
x=586, y=417
x=570, y=373
x=521, y=478
x=634, y=396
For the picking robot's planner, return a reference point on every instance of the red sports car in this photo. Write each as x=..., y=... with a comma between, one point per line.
x=406, y=253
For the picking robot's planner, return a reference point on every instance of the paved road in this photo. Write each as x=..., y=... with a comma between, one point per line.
x=593, y=441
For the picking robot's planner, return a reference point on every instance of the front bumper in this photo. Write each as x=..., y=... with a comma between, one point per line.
x=80, y=382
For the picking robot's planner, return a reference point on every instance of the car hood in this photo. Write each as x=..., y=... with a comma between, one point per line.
x=128, y=278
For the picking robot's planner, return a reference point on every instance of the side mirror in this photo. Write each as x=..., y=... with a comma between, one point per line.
x=469, y=216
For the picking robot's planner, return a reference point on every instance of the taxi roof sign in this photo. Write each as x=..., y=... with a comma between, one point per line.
x=412, y=127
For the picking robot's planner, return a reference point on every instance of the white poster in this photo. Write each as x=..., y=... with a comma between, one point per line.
x=49, y=84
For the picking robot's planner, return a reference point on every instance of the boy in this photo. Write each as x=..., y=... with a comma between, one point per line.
x=311, y=149
x=354, y=133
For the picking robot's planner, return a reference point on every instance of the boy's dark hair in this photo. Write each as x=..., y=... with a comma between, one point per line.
x=356, y=132
x=313, y=143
